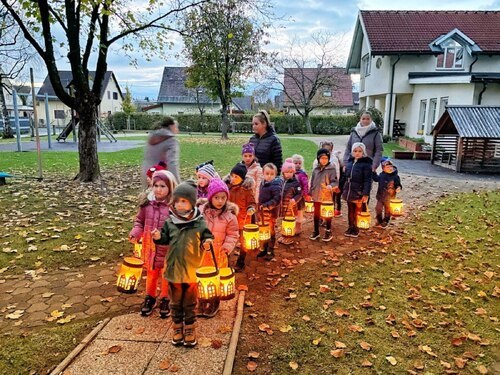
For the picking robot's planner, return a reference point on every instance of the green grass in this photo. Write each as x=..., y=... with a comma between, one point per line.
x=441, y=270
x=391, y=146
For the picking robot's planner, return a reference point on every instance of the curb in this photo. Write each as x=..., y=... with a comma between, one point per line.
x=231, y=353
x=71, y=356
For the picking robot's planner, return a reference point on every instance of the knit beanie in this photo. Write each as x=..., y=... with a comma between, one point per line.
x=240, y=170
x=208, y=171
x=321, y=152
x=164, y=175
x=217, y=186
x=288, y=166
x=161, y=166
x=248, y=148
x=186, y=190
x=360, y=145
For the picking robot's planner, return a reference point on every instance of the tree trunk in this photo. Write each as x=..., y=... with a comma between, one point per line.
x=7, y=129
x=225, y=121
x=87, y=146
x=307, y=120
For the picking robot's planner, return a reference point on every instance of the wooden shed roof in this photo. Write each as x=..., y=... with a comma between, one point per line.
x=470, y=121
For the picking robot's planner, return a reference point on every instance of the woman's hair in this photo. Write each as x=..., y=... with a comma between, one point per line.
x=271, y=166
x=298, y=157
x=263, y=117
x=366, y=113
x=166, y=122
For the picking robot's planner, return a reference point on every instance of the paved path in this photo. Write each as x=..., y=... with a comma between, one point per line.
x=103, y=146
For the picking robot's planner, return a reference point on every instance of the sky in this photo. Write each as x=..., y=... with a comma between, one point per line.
x=301, y=18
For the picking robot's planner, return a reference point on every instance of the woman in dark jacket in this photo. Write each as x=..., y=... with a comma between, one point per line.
x=266, y=142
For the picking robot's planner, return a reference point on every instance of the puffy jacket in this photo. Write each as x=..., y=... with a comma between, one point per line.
x=242, y=195
x=270, y=195
x=224, y=226
x=387, y=184
x=255, y=172
x=358, y=175
x=321, y=177
x=268, y=149
x=373, y=142
x=152, y=216
x=291, y=190
x=304, y=181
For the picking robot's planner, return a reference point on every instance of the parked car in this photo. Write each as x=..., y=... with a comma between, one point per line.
x=24, y=125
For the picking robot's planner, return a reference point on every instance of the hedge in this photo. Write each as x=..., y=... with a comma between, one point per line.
x=336, y=125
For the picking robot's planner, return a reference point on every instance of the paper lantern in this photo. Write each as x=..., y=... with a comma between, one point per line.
x=309, y=206
x=327, y=210
x=363, y=220
x=208, y=283
x=129, y=275
x=251, y=236
x=264, y=232
x=227, y=283
x=138, y=250
x=288, y=226
x=396, y=207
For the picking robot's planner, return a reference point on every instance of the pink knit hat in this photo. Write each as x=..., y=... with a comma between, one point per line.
x=217, y=186
x=288, y=166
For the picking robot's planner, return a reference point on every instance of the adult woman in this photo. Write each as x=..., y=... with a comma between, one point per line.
x=367, y=133
x=266, y=143
x=163, y=146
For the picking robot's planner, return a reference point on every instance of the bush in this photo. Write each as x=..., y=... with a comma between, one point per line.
x=386, y=138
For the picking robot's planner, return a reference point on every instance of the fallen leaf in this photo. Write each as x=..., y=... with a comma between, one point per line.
x=243, y=287
x=340, y=345
x=139, y=331
x=457, y=341
x=391, y=360
x=204, y=342
x=317, y=341
x=366, y=363
x=427, y=349
x=355, y=328
x=306, y=318
x=286, y=329
x=419, y=365
x=395, y=334
x=337, y=353
x=174, y=368
x=254, y=355
x=264, y=327
x=56, y=313
x=294, y=365
x=47, y=295
x=341, y=312
x=251, y=366
x=165, y=364
x=365, y=345
x=249, y=303
x=15, y=315
x=216, y=344
x=67, y=319
x=114, y=349
x=460, y=362
x=482, y=370
x=446, y=364
x=324, y=289
x=107, y=299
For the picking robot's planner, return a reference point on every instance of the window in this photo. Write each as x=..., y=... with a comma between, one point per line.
x=497, y=151
x=59, y=114
x=452, y=56
x=432, y=114
x=327, y=93
x=366, y=64
x=442, y=105
x=422, y=116
x=115, y=96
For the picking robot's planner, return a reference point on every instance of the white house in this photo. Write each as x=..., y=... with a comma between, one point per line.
x=414, y=63
x=60, y=114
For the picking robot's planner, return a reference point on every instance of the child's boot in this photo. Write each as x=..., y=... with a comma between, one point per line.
x=211, y=308
x=380, y=221
x=178, y=337
x=270, y=249
x=164, y=308
x=386, y=221
x=148, y=306
x=263, y=252
x=189, y=335
x=240, y=263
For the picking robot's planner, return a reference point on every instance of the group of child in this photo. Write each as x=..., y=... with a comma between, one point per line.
x=187, y=220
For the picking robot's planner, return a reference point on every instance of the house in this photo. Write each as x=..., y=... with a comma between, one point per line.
x=24, y=109
x=467, y=139
x=60, y=114
x=175, y=98
x=333, y=97
x=414, y=63
x=242, y=104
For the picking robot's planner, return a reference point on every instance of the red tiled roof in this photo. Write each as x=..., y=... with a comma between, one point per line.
x=341, y=90
x=413, y=31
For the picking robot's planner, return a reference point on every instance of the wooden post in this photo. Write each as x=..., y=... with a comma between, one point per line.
x=460, y=151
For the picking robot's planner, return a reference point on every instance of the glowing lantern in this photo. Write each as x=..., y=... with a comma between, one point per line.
x=129, y=275
x=288, y=226
x=251, y=236
x=327, y=210
x=138, y=250
x=264, y=232
x=227, y=283
x=363, y=220
x=208, y=282
x=309, y=206
x=396, y=207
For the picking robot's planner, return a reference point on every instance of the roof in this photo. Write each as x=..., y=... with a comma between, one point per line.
x=413, y=31
x=243, y=103
x=473, y=121
x=66, y=77
x=341, y=87
x=173, y=88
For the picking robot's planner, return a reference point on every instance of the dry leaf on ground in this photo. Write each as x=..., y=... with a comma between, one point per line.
x=391, y=360
x=251, y=366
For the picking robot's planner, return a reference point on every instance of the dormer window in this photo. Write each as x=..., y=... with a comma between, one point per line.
x=452, y=56
x=327, y=93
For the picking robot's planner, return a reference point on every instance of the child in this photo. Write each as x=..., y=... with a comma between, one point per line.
x=269, y=200
x=187, y=234
x=205, y=172
x=291, y=200
x=358, y=184
x=152, y=215
x=301, y=175
x=336, y=160
x=148, y=193
x=388, y=185
x=323, y=183
x=254, y=169
x=220, y=215
x=241, y=193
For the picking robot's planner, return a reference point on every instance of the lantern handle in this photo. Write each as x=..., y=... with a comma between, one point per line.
x=364, y=207
x=213, y=257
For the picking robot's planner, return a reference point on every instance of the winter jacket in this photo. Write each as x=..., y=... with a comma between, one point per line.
x=304, y=182
x=373, y=142
x=202, y=192
x=291, y=190
x=387, y=184
x=255, y=172
x=358, y=175
x=270, y=196
x=268, y=149
x=336, y=161
x=322, y=176
x=224, y=226
x=162, y=145
x=151, y=216
x=185, y=237
x=242, y=195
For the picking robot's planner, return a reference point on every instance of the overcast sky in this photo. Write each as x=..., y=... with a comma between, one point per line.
x=305, y=17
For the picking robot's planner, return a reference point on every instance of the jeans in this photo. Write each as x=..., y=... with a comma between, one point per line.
x=352, y=212
x=183, y=298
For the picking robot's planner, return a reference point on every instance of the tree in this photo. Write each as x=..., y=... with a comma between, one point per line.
x=223, y=48
x=128, y=107
x=89, y=29
x=307, y=75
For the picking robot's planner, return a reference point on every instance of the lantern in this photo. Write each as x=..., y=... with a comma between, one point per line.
x=208, y=283
x=396, y=207
x=251, y=236
x=138, y=250
x=227, y=283
x=309, y=206
x=288, y=226
x=264, y=232
x=363, y=220
x=129, y=275
x=327, y=209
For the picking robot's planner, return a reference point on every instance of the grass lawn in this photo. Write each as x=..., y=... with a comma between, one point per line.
x=391, y=146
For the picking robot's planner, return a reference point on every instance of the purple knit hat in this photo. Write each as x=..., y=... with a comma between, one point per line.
x=217, y=186
x=248, y=148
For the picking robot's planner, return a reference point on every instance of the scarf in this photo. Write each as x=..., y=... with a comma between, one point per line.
x=362, y=130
